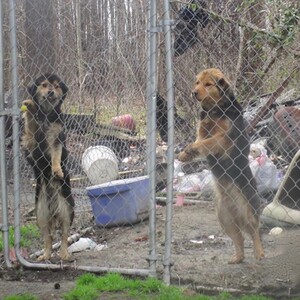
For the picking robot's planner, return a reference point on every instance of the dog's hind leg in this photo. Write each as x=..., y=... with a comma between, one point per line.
x=48, y=239
x=64, y=254
x=258, y=249
x=65, y=221
x=253, y=230
x=226, y=212
x=234, y=232
x=44, y=221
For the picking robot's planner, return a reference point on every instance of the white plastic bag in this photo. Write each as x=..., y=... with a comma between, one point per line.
x=263, y=169
x=81, y=245
x=195, y=182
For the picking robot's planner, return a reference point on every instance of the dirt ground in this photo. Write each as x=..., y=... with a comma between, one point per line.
x=200, y=252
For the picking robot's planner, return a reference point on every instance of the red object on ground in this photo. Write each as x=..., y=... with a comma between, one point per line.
x=124, y=121
x=180, y=200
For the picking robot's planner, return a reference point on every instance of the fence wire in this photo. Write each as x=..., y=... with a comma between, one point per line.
x=124, y=64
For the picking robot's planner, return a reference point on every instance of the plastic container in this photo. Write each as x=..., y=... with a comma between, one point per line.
x=120, y=202
x=100, y=164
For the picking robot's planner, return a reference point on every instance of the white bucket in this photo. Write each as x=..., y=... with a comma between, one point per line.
x=100, y=164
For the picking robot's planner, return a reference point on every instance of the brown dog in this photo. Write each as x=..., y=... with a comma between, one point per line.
x=223, y=140
x=44, y=145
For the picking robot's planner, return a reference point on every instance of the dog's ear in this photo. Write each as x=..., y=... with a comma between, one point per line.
x=225, y=88
x=64, y=88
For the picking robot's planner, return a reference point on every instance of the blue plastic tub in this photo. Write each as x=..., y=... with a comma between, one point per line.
x=120, y=202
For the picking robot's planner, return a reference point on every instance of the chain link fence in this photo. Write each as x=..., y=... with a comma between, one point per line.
x=120, y=67
x=100, y=54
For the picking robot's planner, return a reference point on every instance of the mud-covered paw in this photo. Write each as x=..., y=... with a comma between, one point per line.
x=259, y=254
x=65, y=255
x=236, y=259
x=57, y=172
x=44, y=257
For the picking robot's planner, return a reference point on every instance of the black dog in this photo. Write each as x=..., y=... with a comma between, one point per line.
x=45, y=149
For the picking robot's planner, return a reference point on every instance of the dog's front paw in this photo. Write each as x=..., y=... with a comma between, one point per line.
x=188, y=154
x=57, y=172
x=29, y=105
x=184, y=156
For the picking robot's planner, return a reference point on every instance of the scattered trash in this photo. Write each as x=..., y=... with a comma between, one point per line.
x=276, y=231
x=71, y=239
x=190, y=183
x=81, y=245
x=142, y=238
x=101, y=247
x=127, y=160
x=263, y=169
x=208, y=240
x=197, y=241
x=86, y=244
x=13, y=256
x=179, y=200
x=187, y=183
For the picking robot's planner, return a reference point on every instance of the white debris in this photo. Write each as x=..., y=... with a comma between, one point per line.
x=81, y=245
x=276, y=231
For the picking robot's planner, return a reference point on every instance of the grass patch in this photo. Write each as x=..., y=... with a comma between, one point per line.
x=21, y=297
x=28, y=233
x=92, y=287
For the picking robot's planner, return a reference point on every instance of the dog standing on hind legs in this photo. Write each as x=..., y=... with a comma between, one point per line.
x=223, y=140
x=44, y=144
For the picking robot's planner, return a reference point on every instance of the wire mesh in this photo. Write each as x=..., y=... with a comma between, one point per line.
x=84, y=128
x=244, y=41
x=99, y=50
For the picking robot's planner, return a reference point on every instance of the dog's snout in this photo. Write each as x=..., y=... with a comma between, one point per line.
x=50, y=94
x=194, y=94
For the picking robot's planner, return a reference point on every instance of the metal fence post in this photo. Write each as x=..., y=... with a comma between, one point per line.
x=170, y=152
x=5, y=225
x=151, y=121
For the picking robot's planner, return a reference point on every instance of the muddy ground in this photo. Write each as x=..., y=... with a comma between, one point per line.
x=200, y=252
x=200, y=249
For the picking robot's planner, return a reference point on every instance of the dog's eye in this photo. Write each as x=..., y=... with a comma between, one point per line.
x=44, y=85
x=208, y=84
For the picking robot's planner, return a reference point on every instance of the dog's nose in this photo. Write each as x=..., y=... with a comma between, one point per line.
x=194, y=94
x=50, y=94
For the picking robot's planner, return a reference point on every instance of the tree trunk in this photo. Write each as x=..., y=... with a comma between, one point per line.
x=40, y=37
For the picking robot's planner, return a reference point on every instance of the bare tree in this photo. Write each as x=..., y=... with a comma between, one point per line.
x=40, y=37
x=251, y=52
